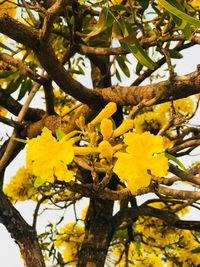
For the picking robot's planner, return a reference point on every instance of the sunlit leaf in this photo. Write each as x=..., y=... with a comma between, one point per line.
x=38, y=182
x=179, y=13
x=60, y=134
x=139, y=54
x=21, y=140
x=177, y=161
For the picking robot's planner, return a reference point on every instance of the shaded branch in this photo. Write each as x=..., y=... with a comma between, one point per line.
x=12, y=142
x=49, y=18
x=18, y=31
x=22, y=68
x=11, y=122
x=129, y=214
x=24, y=235
x=14, y=107
x=60, y=75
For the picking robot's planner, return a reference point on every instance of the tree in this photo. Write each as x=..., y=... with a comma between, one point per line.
x=110, y=143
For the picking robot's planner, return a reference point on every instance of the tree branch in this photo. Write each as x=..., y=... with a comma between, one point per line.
x=14, y=107
x=183, y=86
x=22, y=68
x=145, y=43
x=183, y=175
x=19, y=32
x=129, y=214
x=49, y=18
x=24, y=235
x=60, y=75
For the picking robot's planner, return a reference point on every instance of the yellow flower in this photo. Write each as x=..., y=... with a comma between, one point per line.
x=80, y=122
x=46, y=157
x=3, y=111
x=106, y=150
x=106, y=112
x=63, y=104
x=70, y=237
x=85, y=150
x=183, y=106
x=144, y=155
x=195, y=4
x=106, y=128
x=8, y=7
x=125, y=126
x=149, y=121
x=21, y=186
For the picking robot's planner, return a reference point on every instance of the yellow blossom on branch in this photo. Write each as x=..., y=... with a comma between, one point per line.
x=106, y=112
x=85, y=150
x=124, y=127
x=48, y=158
x=106, y=128
x=3, y=111
x=106, y=150
x=70, y=237
x=21, y=186
x=143, y=157
x=8, y=7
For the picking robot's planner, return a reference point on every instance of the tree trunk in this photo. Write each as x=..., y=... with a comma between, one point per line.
x=24, y=235
x=98, y=234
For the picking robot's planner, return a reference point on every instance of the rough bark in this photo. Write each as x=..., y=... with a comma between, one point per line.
x=98, y=233
x=24, y=235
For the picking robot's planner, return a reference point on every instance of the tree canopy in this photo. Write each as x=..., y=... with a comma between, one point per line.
x=116, y=125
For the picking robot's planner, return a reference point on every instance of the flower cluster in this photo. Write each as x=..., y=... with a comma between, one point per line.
x=70, y=237
x=132, y=156
x=21, y=186
x=144, y=156
x=48, y=157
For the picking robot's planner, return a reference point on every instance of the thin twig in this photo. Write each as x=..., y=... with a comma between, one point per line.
x=12, y=142
x=32, y=18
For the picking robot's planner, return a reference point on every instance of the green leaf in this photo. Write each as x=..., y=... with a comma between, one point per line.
x=179, y=13
x=5, y=47
x=122, y=65
x=25, y=87
x=177, y=161
x=138, y=69
x=196, y=250
x=15, y=85
x=38, y=182
x=60, y=134
x=182, y=24
x=100, y=26
x=144, y=3
x=60, y=259
x=20, y=140
x=120, y=8
x=118, y=75
x=175, y=54
x=5, y=74
x=139, y=54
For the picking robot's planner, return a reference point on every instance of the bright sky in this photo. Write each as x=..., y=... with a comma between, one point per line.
x=9, y=252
